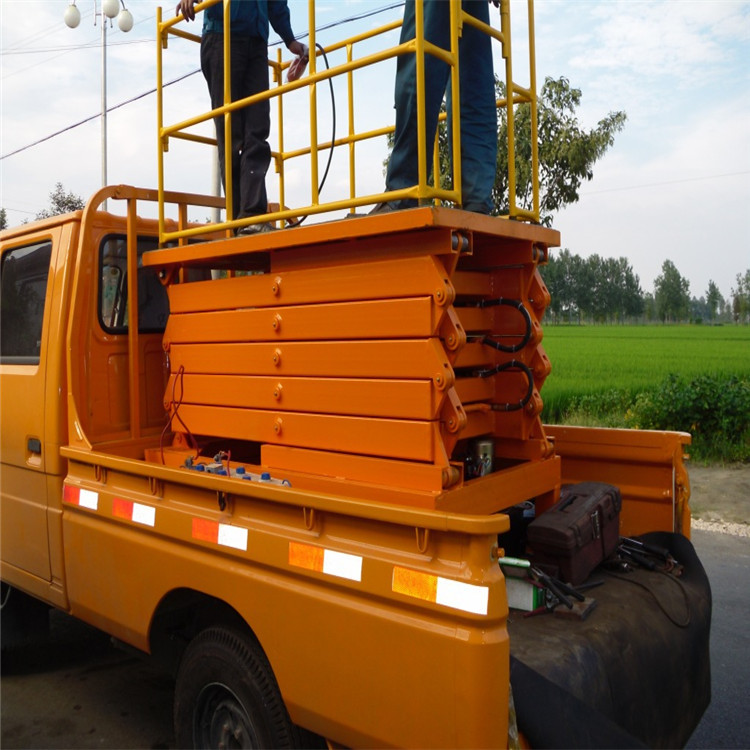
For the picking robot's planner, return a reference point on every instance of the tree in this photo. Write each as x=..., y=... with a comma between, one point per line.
x=3, y=219
x=61, y=203
x=603, y=289
x=672, y=294
x=741, y=298
x=567, y=152
x=714, y=300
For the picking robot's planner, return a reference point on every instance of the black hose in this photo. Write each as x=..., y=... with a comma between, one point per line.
x=333, y=135
x=512, y=364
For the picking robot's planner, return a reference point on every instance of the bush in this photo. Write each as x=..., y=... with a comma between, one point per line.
x=714, y=409
x=605, y=408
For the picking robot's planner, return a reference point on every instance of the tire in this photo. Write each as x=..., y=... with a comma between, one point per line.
x=226, y=696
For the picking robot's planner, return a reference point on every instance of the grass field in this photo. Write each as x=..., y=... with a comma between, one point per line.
x=590, y=360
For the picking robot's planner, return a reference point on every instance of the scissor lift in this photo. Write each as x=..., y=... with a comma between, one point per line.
x=392, y=357
x=374, y=351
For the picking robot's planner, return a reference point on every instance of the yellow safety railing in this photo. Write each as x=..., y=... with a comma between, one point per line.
x=422, y=191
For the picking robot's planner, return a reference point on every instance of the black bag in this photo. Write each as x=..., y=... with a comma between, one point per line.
x=578, y=532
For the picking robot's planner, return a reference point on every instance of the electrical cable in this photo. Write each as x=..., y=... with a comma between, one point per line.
x=516, y=304
x=512, y=364
x=299, y=221
x=331, y=25
x=176, y=404
x=6, y=597
x=688, y=612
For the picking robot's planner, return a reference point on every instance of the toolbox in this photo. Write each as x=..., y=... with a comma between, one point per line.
x=577, y=533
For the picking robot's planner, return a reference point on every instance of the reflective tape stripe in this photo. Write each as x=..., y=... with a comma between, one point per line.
x=136, y=512
x=220, y=533
x=444, y=591
x=328, y=561
x=83, y=498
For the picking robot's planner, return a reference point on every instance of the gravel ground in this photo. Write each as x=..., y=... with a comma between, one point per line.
x=720, y=498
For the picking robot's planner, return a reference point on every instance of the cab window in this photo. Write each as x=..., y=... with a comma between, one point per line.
x=23, y=288
x=153, y=303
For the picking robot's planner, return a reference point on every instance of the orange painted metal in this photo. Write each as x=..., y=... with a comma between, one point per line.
x=647, y=466
x=421, y=276
x=394, y=398
x=404, y=345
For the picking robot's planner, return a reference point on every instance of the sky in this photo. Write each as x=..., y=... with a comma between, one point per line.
x=674, y=186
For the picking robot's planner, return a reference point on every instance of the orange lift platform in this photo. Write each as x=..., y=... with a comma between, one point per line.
x=394, y=353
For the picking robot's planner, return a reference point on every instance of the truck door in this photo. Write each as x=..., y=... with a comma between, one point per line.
x=26, y=283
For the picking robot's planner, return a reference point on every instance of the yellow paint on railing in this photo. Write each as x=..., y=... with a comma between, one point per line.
x=423, y=191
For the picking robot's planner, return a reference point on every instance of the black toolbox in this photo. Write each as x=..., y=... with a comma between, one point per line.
x=577, y=532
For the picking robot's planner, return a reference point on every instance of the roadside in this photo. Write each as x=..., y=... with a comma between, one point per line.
x=720, y=498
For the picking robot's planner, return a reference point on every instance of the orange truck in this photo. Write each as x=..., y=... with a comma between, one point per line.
x=289, y=467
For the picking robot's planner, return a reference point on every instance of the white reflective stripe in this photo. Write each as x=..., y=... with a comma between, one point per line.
x=232, y=536
x=144, y=514
x=89, y=499
x=342, y=565
x=464, y=596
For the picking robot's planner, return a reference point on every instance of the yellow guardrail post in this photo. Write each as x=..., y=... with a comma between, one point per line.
x=351, y=134
x=228, y=166
x=313, y=107
x=505, y=28
x=161, y=42
x=456, y=20
x=279, y=158
x=421, y=141
x=534, y=113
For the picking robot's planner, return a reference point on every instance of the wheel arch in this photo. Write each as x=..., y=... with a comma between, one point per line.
x=181, y=615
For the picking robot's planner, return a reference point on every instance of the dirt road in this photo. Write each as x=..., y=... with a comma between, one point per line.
x=720, y=498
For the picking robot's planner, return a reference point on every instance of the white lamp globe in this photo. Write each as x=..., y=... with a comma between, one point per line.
x=72, y=16
x=125, y=20
x=110, y=8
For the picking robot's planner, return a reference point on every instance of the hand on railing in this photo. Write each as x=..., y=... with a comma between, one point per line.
x=185, y=7
x=297, y=68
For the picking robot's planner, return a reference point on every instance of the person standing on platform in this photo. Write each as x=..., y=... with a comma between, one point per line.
x=251, y=154
x=478, y=110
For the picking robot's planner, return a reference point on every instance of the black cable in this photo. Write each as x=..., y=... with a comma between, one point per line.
x=299, y=221
x=517, y=305
x=512, y=364
x=688, y=616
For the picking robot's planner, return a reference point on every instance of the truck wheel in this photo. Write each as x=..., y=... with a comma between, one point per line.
x=226, y=696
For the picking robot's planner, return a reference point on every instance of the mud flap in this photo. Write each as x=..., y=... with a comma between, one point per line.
x=634, y=673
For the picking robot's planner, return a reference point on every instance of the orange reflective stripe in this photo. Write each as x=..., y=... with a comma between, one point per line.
x=122, y=508
x=413, y=583
x=220, y=533
x=328, y=561
x=306, y=556
x=82, y=498
x=446, y=592
x=132, y=511
x=205, y=531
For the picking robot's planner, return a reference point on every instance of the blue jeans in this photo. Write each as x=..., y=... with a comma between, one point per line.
x=478, y=112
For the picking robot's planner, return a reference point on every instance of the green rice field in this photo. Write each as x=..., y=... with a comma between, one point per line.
x=589, y=360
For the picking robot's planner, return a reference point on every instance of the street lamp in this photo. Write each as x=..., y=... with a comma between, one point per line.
x=109, y=9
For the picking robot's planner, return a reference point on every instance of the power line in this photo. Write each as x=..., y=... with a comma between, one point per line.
x=331, y=25
x=98, y=114
x=73, y=47
x=665, y=182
